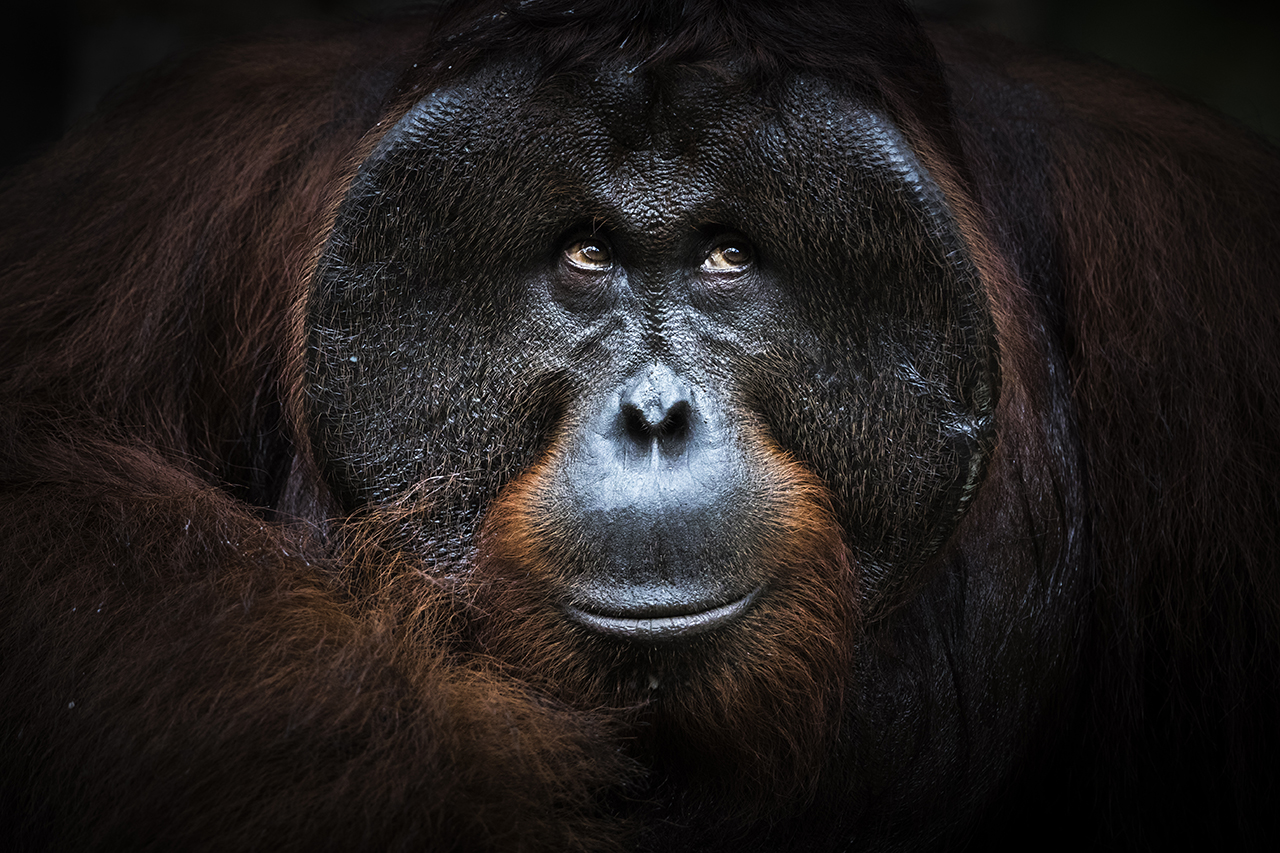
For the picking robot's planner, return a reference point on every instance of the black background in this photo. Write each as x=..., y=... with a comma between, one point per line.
x=64, y=55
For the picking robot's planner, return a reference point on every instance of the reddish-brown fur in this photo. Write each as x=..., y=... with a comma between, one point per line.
x=183, y=669
x=1169, y=219
x=112, y=452
x=752, y=712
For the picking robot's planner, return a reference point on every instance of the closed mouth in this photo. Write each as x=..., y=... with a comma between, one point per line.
x=656, y=624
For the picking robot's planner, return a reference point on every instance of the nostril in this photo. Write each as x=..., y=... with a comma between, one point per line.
x=677, y=421
x=635, y=423
x=656, y=404
x=658, y=422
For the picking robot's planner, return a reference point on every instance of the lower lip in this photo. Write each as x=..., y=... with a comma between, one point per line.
x=659, y=628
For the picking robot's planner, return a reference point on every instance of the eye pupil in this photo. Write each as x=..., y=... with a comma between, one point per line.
x=589, y=255
x=728, y=258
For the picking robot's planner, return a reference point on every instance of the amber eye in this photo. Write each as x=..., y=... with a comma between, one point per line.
x=589, y=254
x=728, y=257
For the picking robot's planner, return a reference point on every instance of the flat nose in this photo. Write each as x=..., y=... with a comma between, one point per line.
x=656, y=407
x=658, y=479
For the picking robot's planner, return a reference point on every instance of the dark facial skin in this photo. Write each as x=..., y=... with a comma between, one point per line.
x=680, y=427
x=657, y=327
x=648, y=285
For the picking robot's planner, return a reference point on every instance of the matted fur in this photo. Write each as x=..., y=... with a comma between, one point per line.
x=201, y=650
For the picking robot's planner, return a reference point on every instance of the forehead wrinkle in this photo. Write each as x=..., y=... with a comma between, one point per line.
x=652, y=196
x=658, y=151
